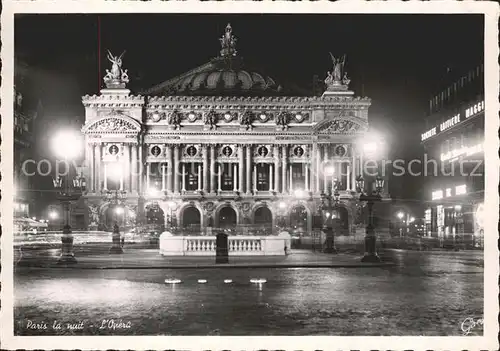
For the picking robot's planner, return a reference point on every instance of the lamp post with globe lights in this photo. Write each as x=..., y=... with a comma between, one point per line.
x=370, y=198
x=67, y=146
x=116, y=198
x=329, y=203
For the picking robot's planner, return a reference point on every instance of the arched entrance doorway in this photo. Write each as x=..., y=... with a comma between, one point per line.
x=263, y=218
x=227, y=217
x=298, y=220
x=191, y=219
x=155, y=216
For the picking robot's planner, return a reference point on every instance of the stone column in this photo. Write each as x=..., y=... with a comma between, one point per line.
x=105, y=177
x=141, y=169
x=325, y=160
x=163, y=177
x=98, y=163
x=169, y=168
x=127, y=168
x=219, y=185
x=318, y=168
x=199, y=177
x=183, y=175
x=148, y=173
x=241, y=170
x=205, y=168
x=348, y=178
x=212, y=168
x=249, y=168
x=271, y=173
x=353, y=171
x=276, y=155
x=91, y=181
x=133, y=175
x=284, y=153
x=255, y=178
x=235, y=176
x=175, y=173
x=290, y=190
x=306, y=170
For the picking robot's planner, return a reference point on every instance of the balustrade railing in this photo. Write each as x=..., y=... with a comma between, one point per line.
x=240, y=245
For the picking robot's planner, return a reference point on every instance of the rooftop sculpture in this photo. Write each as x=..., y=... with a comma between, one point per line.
x=117, y=77
x=228, y=43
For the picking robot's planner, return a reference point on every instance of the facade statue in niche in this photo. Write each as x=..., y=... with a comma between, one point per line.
x=175, y=119
x=117, y=77
x=210, y=119
x=228, y=43
x=282, y=120
x=246, y=119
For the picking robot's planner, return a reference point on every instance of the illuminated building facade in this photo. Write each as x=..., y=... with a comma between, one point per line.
x=222, y=146
x=454, y=138
x=26, y=109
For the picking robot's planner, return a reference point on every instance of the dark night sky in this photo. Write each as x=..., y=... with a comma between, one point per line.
x=398, y=60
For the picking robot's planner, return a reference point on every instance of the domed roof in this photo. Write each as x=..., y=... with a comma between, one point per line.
x=224, y=75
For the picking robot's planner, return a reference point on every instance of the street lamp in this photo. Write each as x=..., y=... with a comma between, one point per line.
x=66, y=146
x=370, y=199
x=329, y=203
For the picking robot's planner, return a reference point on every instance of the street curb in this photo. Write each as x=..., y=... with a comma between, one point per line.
x=223, y=266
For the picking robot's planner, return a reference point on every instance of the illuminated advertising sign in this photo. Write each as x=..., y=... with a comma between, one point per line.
x=429, y=133
x=464, y=151
x=437, y=195
x=450, y=122
x=474, y=109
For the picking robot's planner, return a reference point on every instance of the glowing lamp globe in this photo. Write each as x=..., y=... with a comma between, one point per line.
x=67, y=144
x=400, y=215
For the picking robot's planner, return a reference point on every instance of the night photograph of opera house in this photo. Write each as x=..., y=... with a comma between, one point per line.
x=147, y=162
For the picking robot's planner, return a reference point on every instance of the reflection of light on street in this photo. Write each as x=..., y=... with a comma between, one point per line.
x=202, y=281
x=173, y=281
x=228, y=281
x=258, y=280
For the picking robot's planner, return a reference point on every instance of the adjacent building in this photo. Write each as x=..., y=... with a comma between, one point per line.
x=222, y=145
x=26, y=108
x=454, y=161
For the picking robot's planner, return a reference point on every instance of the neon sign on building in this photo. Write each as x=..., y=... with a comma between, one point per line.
x=459, y=117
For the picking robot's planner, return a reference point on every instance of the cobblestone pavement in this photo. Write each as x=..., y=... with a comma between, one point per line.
x=425, y=293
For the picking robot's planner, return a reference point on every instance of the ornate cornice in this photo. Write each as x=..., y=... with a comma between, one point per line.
x=113, y=100
x=251, y=102
x=114, y=122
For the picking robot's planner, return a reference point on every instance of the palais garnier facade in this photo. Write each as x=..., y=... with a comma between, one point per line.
x=221, y=146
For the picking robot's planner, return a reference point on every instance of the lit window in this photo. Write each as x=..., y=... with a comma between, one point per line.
x=448, y=192
x=461, y=189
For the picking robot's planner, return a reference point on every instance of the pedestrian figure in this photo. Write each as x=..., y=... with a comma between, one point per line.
x=123, y=241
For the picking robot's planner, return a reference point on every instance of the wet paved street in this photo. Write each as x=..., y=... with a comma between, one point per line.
x=426, y=293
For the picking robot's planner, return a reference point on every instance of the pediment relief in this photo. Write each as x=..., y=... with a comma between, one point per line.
x=340, y=126
x=113, y=124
